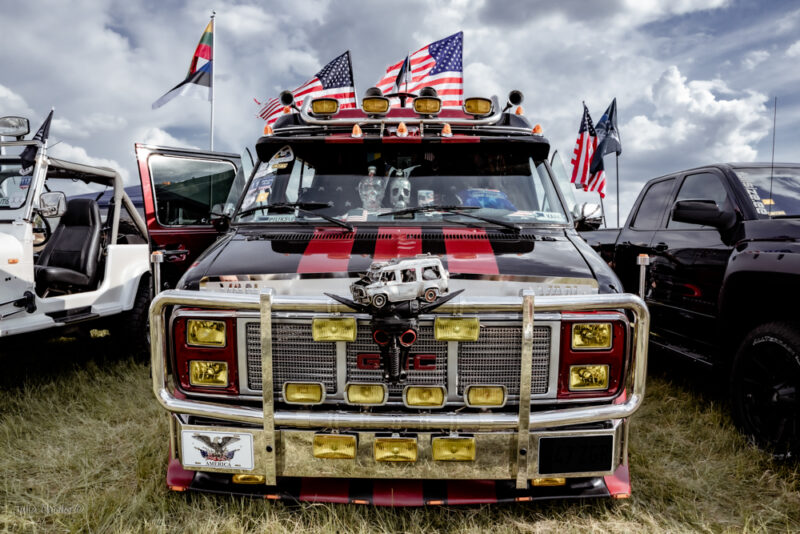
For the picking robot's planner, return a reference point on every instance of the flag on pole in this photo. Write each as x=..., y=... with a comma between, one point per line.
x=199, y=77
x=438, y=65
x=607, y=136
x=404, y=76
x=335, y=80
x=585, y=146
x=28, y=156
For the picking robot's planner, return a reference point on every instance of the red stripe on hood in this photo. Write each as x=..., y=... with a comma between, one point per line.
x=327, y=252
x=469, y=251
x=397, y=243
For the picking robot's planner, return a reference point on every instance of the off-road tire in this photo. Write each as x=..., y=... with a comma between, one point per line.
x=379, y=300
x=765, y=380
x=430, y=295
x=132, y=327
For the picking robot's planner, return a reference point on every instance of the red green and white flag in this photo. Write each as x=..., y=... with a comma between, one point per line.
x=200, y=75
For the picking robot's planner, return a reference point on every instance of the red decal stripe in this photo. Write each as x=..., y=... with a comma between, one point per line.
x=471, y=492
x=397, y=243
x=327, y=252
x=397, y=493
x=325, y=490
x=469, y=251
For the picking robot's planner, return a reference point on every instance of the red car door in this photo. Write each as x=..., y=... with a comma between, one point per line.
x=183, y=191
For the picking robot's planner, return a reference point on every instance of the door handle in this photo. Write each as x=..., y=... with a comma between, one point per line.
x=660, y=247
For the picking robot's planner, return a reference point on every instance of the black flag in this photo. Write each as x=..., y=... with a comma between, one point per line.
x=608, y=137
x=28, y=155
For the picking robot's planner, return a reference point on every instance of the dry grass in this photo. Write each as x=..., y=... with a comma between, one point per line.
x=84, y=449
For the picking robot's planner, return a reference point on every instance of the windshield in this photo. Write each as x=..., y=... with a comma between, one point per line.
x=779, y=197
x=359, y=182
x=13, y=187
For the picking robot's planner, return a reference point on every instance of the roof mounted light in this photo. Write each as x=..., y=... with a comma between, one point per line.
x=374, y=103
x=478, y=106
x=515, y=98
x=17, y=127
x=428, y=102
x=325, y=107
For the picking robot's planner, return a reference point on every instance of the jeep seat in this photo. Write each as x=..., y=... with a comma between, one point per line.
x=69, y=259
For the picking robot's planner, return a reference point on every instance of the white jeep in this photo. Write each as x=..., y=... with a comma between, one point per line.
x=399, y=280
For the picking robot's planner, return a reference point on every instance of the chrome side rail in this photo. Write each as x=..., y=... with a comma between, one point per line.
x=634, y=384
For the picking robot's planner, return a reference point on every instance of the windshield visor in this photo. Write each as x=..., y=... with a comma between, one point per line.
x=359, y=182
x=778, y=197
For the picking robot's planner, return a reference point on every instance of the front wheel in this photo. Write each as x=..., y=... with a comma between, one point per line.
x=764, y=383
x=430, y=295
x=379, y=300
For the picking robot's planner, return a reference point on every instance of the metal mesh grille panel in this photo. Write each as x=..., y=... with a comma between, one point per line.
x=425, y=344
x=295, y=357
x=495, y=359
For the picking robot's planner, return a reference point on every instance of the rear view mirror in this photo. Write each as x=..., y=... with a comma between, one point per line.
x=52, y=204
x=704, y=212
x=17, y=127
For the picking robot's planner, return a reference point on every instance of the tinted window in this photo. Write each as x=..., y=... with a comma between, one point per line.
x=704, y=186
x=653, y=205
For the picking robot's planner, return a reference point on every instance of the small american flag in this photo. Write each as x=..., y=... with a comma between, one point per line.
x=437, y=65
x=335, y=80
x=585, y=146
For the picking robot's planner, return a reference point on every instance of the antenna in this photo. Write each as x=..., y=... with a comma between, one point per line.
x=772, y=161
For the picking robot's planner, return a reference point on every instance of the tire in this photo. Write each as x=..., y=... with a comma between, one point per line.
x=379, y=300
x=430, y=294
x=132, y=327
x=764, y=384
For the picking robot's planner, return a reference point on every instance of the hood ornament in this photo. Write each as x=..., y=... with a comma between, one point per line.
x=395, y=293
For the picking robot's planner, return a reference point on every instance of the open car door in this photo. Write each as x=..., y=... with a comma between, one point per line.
x=184, y=190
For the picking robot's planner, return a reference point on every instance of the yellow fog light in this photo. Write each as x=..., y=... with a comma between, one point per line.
x=249, y=479
x=334, y=446
x=303, y=393
x=591, y=336
x=424, y=397
x=588, y=377
x=395, y=449
x=375, y=105
x=552, y=481
x=454, y=449
x=334, y=329
x=478, y=106
x=480, y=396
x=427, y=105
x=366, y=394
x=212, y=374
x=203, y=333
x=457, y=328
x=324, y=106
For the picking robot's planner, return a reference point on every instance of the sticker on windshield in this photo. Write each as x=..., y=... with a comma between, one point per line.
x=285, y=154
x=755, y=197
x=25, y=182
x=3, y=202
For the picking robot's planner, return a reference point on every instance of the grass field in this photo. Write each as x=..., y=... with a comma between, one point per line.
x=84, y=450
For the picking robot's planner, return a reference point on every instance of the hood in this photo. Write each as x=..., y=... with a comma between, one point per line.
x=312, y=261
x=772, y=230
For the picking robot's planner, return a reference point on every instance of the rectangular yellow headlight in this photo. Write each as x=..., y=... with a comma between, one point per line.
x=324, y=106
x=212, y=374
x=334, y=329
x=375, y=104
x=454, y=449
x=424, y=397
x=549, y=481
x=366, y=394
x=395, y=449
x=303, y=393
x=478, y=106
x=591, y=336
x=248, y=479
x=334, y=446
x=588, y=377
x=480, y=396
x=426, y=105
x=202, y=333
x=457, y=328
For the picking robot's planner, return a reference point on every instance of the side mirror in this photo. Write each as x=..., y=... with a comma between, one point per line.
x=588, y=216
x=704, y=212
x=52, y=204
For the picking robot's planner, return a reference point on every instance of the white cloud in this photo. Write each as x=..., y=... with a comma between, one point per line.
x=78, y=154
x=157, y=136
x=794, y=50
x=13, y=104
x=752, y=59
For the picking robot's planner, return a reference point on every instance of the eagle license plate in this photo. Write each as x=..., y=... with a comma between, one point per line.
x=226, y=450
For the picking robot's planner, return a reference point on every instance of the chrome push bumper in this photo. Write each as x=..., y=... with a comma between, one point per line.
x=520, y=429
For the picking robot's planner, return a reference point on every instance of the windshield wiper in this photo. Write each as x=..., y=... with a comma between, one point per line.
x=455, y=210
x=302, y=207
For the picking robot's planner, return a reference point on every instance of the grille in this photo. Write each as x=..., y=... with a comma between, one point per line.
x=425, y=344
x=495, y=359
x=295, y=357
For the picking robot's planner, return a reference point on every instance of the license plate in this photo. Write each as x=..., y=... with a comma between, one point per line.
x=227, y=450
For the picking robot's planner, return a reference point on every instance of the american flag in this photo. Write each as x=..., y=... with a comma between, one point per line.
x=437, y=65
x=585, y=146
x=335, y=80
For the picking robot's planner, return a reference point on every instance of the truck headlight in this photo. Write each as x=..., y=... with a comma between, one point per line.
x=202, y=333
x=485, y=396
x=395, y=449
x=366, y=394
x=334, y=329
x=424, y=397
x=588, y=377
x=453, y=449
x=334, y=446
x=591, y=336
x=303, y=393
x=205, y=373
x=457, y=328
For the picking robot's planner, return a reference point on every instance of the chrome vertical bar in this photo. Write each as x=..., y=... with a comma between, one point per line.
x=270, y=454
x=525, y=371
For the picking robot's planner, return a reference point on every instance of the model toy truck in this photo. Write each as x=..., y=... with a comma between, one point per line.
x=724, y=283
x=64, y=263
x=515, y=385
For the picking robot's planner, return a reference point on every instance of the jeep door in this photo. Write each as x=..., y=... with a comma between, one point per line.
x=181, y=189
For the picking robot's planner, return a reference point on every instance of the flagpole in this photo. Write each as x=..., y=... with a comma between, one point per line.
x=617, y=156
x=213, y=72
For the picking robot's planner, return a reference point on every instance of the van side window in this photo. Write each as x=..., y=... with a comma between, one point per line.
x=431, y=273
x=653, y=204
x=409, y=275
x=387, y=276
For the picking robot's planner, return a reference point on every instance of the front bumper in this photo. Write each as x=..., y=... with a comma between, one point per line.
x=586, y=443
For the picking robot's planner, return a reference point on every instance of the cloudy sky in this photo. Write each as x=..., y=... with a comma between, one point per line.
x=694, y=79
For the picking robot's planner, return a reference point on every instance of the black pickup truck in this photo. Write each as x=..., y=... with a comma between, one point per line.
x=723, y=286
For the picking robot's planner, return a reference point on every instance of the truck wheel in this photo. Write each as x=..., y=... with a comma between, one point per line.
x=430, y=295
x=379, y=300
x=133, y=326
x=764, y=384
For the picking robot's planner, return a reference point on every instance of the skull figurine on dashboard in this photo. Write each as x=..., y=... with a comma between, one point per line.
x=400, y=191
